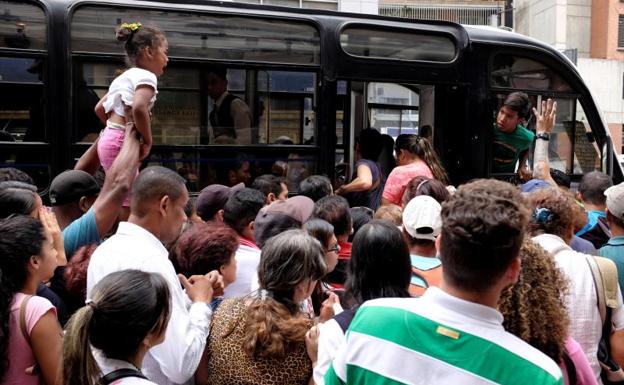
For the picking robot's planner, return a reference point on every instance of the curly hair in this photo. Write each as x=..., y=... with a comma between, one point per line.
x=205, y=247
x=560, y=204
x=21, y=237
x=483, y=225
x=275, y=326
x=534, y=307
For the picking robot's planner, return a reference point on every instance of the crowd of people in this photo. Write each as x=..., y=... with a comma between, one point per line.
x=393, y=277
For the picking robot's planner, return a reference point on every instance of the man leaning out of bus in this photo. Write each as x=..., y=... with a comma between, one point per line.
x=511, y=138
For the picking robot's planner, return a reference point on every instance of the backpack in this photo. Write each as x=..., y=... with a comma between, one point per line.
x=604, y=273
x=119, y=374
x=598, y=235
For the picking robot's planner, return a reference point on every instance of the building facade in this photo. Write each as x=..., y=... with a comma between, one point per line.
x=592, y=31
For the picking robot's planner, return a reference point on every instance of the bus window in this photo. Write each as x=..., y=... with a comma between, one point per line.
x=23, y=26
x=286, y=107
x=230, y=167
x=176, y=114
x=397, y=44
x=396, y=109
x=571, y=147
x=587, y=156
x=522, y=73
x=21, y=100
x=205, y=36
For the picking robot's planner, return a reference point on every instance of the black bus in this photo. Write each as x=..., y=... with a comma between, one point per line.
x=311, y=79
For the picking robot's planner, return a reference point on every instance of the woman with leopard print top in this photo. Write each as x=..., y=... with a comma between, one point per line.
x=260, y=339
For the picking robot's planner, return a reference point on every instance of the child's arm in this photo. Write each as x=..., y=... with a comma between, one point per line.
x=141, y=116
x=89, y=161
x=99, y=109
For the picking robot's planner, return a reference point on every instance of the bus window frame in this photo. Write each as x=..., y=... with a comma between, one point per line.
x=76, y=57
x=198, y=10
x=399, y=29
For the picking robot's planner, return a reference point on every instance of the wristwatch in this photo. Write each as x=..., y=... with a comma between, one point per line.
x=542, y=136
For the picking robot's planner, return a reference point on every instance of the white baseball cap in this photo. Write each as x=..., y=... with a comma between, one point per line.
x=615, y=200
x=422, y=218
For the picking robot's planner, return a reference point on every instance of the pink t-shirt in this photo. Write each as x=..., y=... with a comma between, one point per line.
x=584, y=372
x=20, y=354
x=400, y=177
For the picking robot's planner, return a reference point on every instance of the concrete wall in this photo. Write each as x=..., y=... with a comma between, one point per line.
x=564, y=24
x=578, y=24
x=359, y=6
x=605, y=79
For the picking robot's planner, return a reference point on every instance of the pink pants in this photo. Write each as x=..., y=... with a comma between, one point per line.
x=108, y=148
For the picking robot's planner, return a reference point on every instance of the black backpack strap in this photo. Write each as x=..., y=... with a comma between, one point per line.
x=344, y=319
x=119, y=374
x=570, y=368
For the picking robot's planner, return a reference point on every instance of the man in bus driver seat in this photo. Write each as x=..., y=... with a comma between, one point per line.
x=511, y=138
x=230, y=118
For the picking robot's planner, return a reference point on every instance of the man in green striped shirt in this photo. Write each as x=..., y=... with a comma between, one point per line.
x=454, y=334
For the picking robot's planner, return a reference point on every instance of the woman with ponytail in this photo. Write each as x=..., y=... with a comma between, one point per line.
x=30, y=335
x=127, y=315
x=415, y=157
x=261, y=339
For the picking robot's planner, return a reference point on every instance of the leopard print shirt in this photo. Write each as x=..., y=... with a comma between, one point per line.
x=228, y=364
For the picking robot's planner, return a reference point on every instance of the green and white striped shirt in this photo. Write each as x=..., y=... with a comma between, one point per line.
x=436, y=339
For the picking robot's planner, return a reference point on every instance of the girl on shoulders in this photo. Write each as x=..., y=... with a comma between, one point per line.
x=132, y=94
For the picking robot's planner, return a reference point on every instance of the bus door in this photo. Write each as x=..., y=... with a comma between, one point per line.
x=400, y=78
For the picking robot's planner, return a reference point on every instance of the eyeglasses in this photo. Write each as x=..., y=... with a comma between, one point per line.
x=335, y=248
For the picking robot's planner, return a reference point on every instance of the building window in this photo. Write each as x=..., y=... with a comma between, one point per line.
x=621, y=32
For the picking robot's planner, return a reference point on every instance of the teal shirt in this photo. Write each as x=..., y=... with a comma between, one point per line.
x=507, y=148
x=592, y=219
x=614, y=250
x=423, y=263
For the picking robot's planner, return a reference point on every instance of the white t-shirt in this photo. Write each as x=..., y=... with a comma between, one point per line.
x=247, y=260
x=121, y=90
x=581, y=301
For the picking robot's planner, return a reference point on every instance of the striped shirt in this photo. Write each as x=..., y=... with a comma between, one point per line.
x=436, y=339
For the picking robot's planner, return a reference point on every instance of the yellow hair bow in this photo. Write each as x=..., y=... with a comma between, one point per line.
x=131, y=26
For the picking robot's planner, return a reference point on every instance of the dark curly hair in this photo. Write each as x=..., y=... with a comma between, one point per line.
x=21, y=237
x=483, y=225
x=534, y=307
x=560, y=214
